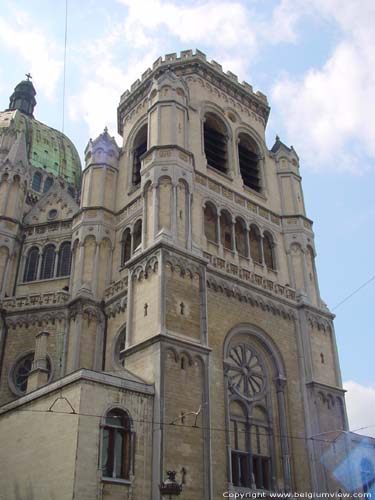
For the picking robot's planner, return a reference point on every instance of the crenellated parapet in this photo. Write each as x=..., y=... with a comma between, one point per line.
x=184, y=66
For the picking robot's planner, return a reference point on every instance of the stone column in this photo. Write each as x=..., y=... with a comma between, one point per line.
x=285, y=457
x=234, y=245
x=39, y=372
x=95, y=277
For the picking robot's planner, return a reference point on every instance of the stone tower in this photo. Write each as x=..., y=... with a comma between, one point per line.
x=176, y=324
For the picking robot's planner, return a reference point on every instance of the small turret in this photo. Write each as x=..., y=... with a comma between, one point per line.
x=287, y=164
x=100, y=176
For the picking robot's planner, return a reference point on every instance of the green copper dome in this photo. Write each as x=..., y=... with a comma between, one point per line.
x=47, y=148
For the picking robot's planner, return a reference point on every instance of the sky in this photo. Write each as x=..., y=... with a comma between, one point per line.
x=314, y=59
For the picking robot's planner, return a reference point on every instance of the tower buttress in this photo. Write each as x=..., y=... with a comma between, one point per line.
x=167, y=167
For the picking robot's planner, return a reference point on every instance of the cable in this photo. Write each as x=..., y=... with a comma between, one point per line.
x=64, y=72
x=353, y=293
x=212, y=429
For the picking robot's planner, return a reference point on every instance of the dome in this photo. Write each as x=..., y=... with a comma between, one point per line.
x=47, y=148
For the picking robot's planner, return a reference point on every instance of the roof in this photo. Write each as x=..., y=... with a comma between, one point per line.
x=47, y=148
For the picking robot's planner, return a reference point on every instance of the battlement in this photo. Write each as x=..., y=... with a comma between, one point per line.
x=186, y=57
x=190, y=55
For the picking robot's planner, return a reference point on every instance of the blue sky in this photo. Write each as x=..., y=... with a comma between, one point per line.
x=314, y=59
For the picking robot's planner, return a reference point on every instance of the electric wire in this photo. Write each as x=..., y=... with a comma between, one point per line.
x=354, y=292
x=64, y=69
x=201, y=427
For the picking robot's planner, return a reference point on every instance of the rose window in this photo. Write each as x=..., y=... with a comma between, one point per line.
x=245, y=372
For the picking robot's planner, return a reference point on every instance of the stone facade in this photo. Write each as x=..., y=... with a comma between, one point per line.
x=184, y=329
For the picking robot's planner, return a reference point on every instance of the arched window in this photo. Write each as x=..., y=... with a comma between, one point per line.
x=65, y=257
x=248, y=157
x=117, y=445
x=31, y=266
x=226, y=230
x=137, y=235
x=241, y=237
x=268, y=251
x=210, y=222
x=71, y=191
x=215, y=143
x=367, y=475
x=120, y=347
x=250, y=425
x=139, y=148
x=48, y=262
x=255, y=244
x=126, y=246
x=37, y=181
x=48, y=183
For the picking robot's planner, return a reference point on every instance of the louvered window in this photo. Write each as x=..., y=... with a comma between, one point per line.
x=140, y=147
x=249, y=162
x=215, y=144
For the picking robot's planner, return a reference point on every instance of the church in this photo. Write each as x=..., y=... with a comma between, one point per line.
x=162, y=332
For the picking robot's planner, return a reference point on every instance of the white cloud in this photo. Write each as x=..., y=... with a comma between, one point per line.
x=329, y=111
x=360, y=404
x=40, y=54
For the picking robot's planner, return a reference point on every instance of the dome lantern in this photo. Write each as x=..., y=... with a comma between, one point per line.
x=23, y=97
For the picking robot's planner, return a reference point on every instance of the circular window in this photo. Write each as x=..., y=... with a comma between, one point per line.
x=52, y=214
x=245, y=372
x=20, y=372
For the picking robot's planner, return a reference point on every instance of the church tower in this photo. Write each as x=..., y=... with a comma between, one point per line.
x=164, y=314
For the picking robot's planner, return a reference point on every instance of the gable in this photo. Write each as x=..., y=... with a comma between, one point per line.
x=56, y=204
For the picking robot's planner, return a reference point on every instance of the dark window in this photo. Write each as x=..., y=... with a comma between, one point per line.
x=116, y=445
x=210, y=222
x=120, y=347
x=249, y=162
x=137, y=234
x=241, y=237
x=139, y=148
x=71, y=191
x=21, y=371
x=268, y=250
x=65, y=258
x=48, y=183
x=255, y=245
x=48, y=262
x=126, y=246
x=215, y=143
x=226, y=230
x=31, y=266
x=37, y=181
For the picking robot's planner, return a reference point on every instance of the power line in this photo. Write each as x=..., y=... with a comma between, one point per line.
x=173, y=424
x=64, y=72
x=355, y=291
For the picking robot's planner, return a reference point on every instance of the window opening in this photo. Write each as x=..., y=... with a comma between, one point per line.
x=249, y=162
x=37, y=181
x=48, y=262
x=31, y=267
x=139, y=149
x=65, y=258
x=126, y=246
x=268, y=245
x=210, y=222
x=116, y=445
x=215, y=144
x=48, y=183
x=137, y=235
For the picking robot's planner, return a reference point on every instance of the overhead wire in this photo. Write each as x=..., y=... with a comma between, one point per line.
x=202, y=427
x=64, y=68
